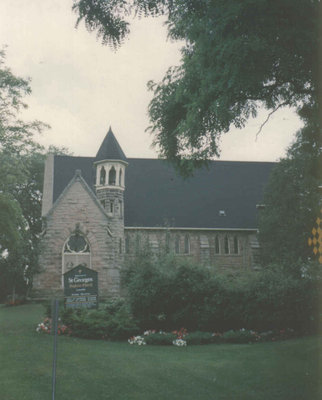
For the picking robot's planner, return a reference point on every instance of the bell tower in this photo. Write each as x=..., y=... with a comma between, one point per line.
x=110, y=163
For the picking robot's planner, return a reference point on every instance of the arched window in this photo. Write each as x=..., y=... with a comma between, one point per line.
x=226, y=245
x=217, y=246
x=120, y=177
x=102, y=176
x=112, y=176
x=186, y=244
x=236, y=247
x=76, y=251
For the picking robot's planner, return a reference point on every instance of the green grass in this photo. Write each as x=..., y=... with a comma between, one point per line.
x=95, y=370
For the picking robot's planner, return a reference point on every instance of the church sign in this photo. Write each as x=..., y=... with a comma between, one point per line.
x=81, y=288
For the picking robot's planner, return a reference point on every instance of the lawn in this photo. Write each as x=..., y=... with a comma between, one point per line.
x=95, y=370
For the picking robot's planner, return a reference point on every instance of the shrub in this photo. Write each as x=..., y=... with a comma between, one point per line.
x=240, y=336
x=112, y=321
x=200, y=338
x=165, y=292
x=160, y=338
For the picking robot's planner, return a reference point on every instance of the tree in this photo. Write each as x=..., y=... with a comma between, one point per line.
x=21, y=169
x=292, y=202
x=238, y=55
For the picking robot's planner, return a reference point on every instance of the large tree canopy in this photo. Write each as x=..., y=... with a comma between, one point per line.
x=238, y=55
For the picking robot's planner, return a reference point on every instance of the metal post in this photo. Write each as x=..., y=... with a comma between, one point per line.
x=54, y=331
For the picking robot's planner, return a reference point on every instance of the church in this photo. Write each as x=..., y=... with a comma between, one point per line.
x=98, y=211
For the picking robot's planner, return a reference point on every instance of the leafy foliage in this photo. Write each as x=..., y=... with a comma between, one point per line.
x=112, y=321
x=292, y=202
x=238, y=55
x=21, y=176
x=162, y=339
x=165, y=293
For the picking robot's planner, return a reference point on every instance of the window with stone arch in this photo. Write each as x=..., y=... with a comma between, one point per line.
x=76, y=251
x=102, y=176
x=112, y=176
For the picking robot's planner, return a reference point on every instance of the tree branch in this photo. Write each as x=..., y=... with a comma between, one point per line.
x=268, y=117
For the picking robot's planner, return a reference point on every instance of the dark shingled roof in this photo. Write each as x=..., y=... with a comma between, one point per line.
x=110, y=149
x=156, y=195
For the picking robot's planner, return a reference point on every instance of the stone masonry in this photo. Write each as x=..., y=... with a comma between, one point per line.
x=77, y=208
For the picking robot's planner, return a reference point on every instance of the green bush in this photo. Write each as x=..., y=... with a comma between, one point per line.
x=165, y=292
x=201, y=338
x=164, y=339
x=112, y=321
x=240, y=336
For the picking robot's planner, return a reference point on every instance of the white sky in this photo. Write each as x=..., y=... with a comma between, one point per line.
x=80, y=87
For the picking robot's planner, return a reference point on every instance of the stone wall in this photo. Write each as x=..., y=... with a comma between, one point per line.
x=221, y=250
x=78, y=209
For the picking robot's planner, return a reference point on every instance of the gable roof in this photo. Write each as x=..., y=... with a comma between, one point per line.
x=77, y=177
x=156, y=196
x=110, y=149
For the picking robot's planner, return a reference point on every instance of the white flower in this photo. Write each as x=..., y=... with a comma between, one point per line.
x=139, y=340
x=179, y=342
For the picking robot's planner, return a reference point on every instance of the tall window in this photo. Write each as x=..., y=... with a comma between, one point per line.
x=120, y=208
x=186, y=244
x=217, y=247
x=167, y=242
x=102, y=176
x=120, y=178
x=111, y=206
x=112, y=176
x=236, y=247
x=226, y=245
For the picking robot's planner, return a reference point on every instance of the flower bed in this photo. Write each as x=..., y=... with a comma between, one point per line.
x=182, y=338
x=46, y=327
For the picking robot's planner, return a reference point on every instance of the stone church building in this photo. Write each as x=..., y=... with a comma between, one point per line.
x=98, y=210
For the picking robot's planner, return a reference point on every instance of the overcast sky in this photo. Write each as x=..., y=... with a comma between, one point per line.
x=80, y=87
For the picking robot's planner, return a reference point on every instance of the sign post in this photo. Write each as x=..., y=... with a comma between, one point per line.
x=81, y=288
x=55, y=308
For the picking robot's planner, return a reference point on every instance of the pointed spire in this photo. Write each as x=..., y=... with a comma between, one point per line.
x=110, y=149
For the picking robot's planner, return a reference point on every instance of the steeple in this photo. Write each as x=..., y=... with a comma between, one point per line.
x=110, y=164
x=110, y=149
